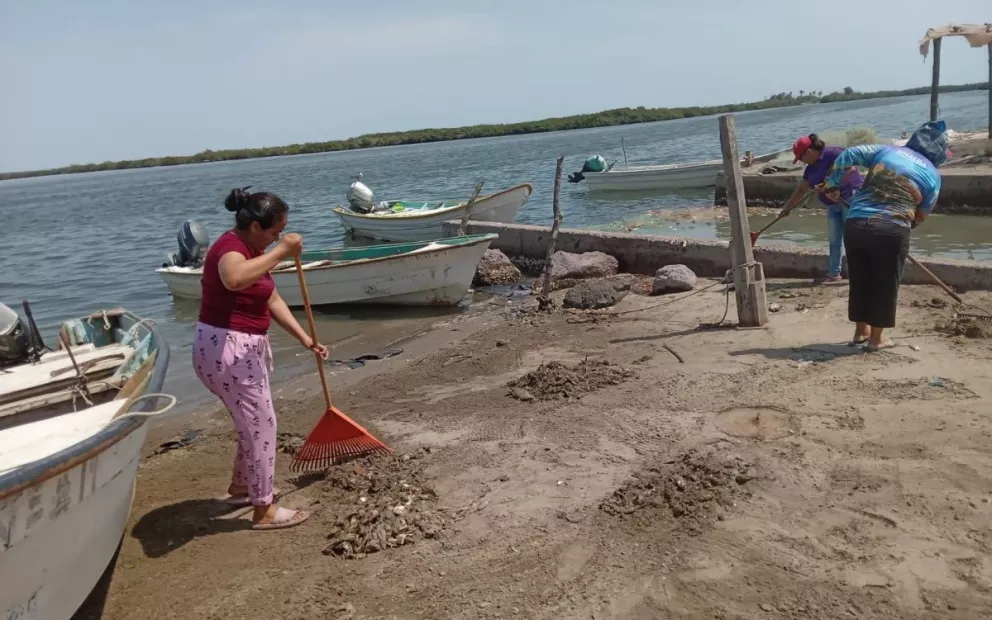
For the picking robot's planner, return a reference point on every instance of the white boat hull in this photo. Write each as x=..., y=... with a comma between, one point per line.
x=67, y=474
x=431, y=277
x=59, y=536
x=670, y=176
x=499, y=207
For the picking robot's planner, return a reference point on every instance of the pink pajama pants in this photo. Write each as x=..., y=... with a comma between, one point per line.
x=235, y=366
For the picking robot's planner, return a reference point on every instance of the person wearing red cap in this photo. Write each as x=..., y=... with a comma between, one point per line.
x=819, y=159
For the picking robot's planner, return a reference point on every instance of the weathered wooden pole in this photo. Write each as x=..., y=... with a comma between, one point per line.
x=556, y=207
x=935, y=84
x=463, y=225
x=749, y=277
x=990, y=91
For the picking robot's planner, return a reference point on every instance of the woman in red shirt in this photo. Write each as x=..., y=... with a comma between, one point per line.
x=231, y=352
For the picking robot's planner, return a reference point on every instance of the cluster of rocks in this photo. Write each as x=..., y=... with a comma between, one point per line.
x=593, y=278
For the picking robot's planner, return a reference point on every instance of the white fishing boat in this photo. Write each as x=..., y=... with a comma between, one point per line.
x=403, y=220
x=72, y=424
x=667, y=176
x=425, y=273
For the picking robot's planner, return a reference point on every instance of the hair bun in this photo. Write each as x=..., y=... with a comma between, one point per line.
x=237, y=199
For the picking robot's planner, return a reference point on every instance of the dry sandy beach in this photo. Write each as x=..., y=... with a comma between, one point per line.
x=664, y=471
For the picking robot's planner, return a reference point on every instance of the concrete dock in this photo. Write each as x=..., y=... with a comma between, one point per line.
x=964, y=189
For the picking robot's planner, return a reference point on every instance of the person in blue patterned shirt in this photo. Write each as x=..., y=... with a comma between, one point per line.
x=898, y=194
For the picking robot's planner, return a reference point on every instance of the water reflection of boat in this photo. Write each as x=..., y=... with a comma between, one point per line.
x=72, y=424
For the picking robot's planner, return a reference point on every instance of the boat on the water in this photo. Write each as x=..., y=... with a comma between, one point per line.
x=422, y=273
x=404, y=220
x=666, y=176
x=73, y=420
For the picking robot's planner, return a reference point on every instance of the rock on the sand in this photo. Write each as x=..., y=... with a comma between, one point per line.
x=569, y=266
x=594, y=294
x=495, y=268
x=673, y=279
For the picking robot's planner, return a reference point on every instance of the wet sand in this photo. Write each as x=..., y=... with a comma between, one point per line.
x=350, y=330
x=727, y=473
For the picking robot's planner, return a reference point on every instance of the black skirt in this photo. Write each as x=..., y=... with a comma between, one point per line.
x=876, y=253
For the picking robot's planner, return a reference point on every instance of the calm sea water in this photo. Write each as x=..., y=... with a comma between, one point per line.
x=78, y=243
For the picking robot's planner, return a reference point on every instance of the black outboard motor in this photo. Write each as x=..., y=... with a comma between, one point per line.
x=16, y=345
x=596, y=163
x=193, y=243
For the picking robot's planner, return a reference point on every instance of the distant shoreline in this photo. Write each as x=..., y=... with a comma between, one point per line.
x=606, y=118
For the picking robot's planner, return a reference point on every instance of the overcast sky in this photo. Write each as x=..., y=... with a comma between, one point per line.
x=123, y=79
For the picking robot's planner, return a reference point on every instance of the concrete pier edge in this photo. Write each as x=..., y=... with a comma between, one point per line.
x=962, y=191
x=645, y=254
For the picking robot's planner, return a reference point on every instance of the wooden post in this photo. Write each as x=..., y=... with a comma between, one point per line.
x=749, y=280
x=935, y=84
x=546, y=284
x=990, y=92
x=463, y=226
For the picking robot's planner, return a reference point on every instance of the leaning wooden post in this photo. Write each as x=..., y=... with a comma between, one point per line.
x=935, y=84
x=546, y=284
x=749, y=279
x=463, y=226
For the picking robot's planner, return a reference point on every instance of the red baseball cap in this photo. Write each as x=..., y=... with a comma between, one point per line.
x=799, y=147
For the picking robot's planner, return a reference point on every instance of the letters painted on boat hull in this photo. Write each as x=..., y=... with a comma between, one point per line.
x=61, y=535
x=417, y=225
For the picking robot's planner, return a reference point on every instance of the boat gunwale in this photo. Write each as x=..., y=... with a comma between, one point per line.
x=342, y=211
x=687, y=166
x=471, y=240
x=38, y=472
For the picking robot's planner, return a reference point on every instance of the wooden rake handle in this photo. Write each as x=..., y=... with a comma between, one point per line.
x=754, y=236
x=936, y=280
x=313, y=328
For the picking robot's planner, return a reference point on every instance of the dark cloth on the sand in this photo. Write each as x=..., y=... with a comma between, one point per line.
x=358, y=362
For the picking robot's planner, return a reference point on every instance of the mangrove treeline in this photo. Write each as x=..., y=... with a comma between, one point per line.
x=606, y=118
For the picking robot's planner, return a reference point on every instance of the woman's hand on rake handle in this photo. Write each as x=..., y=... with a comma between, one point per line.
x=316, y=347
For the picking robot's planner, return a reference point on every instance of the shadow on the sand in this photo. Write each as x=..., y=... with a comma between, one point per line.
x=304, y=480
x=809, y=353
x=168, y=528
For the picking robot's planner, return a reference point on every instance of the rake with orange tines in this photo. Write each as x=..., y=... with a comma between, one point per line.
x=336, y=435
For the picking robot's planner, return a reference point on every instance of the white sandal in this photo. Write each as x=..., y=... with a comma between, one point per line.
x=284, y=518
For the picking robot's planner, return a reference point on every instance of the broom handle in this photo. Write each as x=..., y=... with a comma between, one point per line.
x=313, y=328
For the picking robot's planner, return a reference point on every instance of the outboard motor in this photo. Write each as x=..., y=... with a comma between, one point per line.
x=16, y=345
x=360, y=197
x=193, y=243
x=596, y=163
